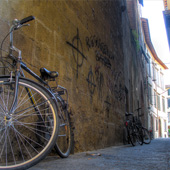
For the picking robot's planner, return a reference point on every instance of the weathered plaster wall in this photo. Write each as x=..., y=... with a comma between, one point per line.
x=83, y=41
x=135, y=67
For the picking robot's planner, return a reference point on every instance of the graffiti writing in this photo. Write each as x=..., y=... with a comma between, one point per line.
x=118, y=85
x=99, y=81
x=102, y=53
x=103, y=59
x=115, y=85
x=91, y=82
x=94, y=41
x=77, y=50
x=107, y=106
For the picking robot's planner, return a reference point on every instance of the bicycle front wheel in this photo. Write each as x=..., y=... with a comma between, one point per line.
x=27, y=134
x=146, y=136
x=64, y=140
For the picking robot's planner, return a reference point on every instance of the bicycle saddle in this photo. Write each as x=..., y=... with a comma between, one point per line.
x=46, y=74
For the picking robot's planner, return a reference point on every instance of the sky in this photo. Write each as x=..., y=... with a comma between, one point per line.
x=153, y=11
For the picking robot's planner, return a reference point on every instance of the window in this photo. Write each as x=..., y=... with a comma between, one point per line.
x=168, y=103
x=148, y=68
x=157, y=76
x=155, y=99
x=163, y=104
x=162, y=80
x=153, y=73
x=156, y=124
x=158, y=102
x=168, y=117
x=165, y=126
x=150, y=94
x=168, y=92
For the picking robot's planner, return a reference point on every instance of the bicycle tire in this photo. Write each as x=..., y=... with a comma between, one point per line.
x=132, y=135
x=23, y=134
x=139, y=135
x=125, y=136
x=146, y=136
x=64, y=140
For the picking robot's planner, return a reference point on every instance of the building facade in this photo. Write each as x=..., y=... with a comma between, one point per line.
x=168, y=107
x=157, y=112
x=134, y=64
x=166, y=14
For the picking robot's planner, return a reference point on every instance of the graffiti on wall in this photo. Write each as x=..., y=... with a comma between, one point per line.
x=99, y=81
x=77, y=51
x=95, y=80
x=107, y=106
x=118, y=87
x=114, y=83
x=102, y=52
x=91, y=81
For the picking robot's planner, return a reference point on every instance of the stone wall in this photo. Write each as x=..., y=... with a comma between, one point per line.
x=83, y=40
x=135, y=67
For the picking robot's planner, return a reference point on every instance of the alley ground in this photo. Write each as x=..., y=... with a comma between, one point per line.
x=155, y=156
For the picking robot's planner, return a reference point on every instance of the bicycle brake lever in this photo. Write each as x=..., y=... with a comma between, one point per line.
x=19, y=26
x=26, y=25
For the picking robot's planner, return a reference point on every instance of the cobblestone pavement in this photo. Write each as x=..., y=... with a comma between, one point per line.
x=155, y=156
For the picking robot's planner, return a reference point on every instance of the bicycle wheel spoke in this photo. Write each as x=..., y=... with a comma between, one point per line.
x=24, y=96
x=27, y=138
x=30, y=108
x=2, y=99
x=29, y=132
x=37, y=123
x=1, y=106
x=7, y=102
x=11, y=148
x=34, y=130
x=19, y=116
x=22, y=103
x=3, y=146
x=20, y=98
x=19, y=145
x=21, y=137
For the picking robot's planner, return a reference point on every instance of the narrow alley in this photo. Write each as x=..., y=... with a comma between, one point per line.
x=155, y=156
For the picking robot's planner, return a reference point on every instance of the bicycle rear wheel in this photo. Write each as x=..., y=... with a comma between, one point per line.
x=29, y=133
x=132, y=135
x=146, y=136
x=139, y=135
x=64, y=140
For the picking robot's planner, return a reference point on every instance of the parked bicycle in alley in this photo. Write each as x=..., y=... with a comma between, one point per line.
x=34, y=116
x=134, y=131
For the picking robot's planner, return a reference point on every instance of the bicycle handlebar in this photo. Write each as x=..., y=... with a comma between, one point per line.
x=16, y=25
x=27, y=19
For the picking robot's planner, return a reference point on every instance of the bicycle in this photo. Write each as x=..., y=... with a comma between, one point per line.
x=145, y=132
x=64, y=140
x=30, y=112
x=133, y=131
x=151, y=134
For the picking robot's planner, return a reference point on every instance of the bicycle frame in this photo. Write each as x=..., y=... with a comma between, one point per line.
x=47, y=108
x=19, y=66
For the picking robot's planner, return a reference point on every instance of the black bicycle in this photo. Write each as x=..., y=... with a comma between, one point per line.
x=33, y=115
x=65, y=138
x=134, y=133
x=145, y=132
